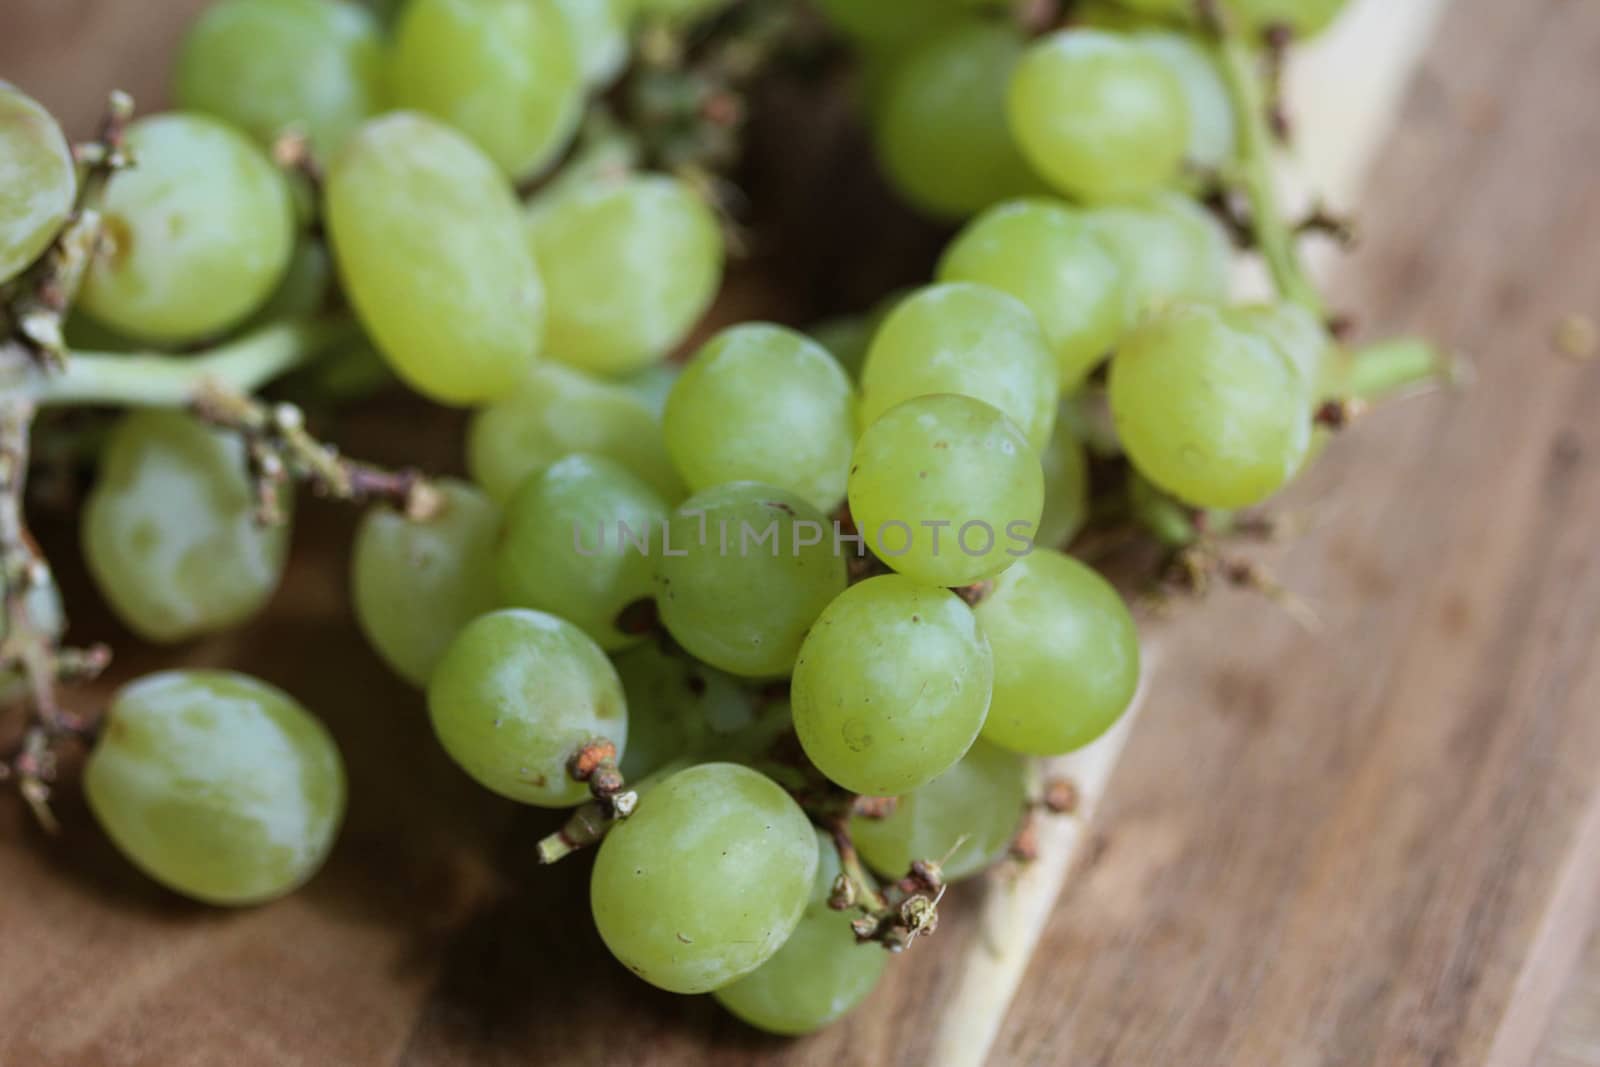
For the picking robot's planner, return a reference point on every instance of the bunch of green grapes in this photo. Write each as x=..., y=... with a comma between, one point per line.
x=718, y=603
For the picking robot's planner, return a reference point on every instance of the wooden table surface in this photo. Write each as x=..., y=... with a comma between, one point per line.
x=1374, y=843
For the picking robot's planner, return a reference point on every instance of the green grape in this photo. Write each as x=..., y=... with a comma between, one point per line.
x=268, y=65
x=559, y=411
x=940, y=127
x=675, y=706
x=1066, y=488
x=1097, y=116
x=426, y=239
x=1044, y=253
x=170, y=532
x=579, y=541
x=217, y=785
x=1169, y=249
x=819, y=975
x=1299, y=335
x=946, y=490
x=632, y=263
x=416, y=583
x=966, y=818
x=516, y=695
x=892, y=686
x=744, y=571
x=654, y=385
x=196, y=237
x=38, y=181
x=1066, y=655
x=966, y=339
x=706, y=880
x=504, y=72
x=1215, y=416
x=761, y=403
x=598, y=30
x=1213, y=132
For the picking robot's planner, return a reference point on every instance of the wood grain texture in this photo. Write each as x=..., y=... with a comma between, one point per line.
x=1362, y=846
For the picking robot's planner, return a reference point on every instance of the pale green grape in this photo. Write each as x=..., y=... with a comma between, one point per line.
x=632, y=264
x=1299, y=335
x=1045, y=254
x=37, y=180
x=1213, y=131
x=946, y=490
x=966, y=339
x=170, y=532
x=1097, y=116
x=654, y=385
x=966, y=818
x=559, y=411
x=426, y=238
x=268, y=65
x=580, y=541
x=417, y=582
x=706, y=880
x=516, y=695
x=1066, y=488
x=760, y=403
x=598, y=30
x=216, y=785
x=892, y=686
x=819, y=975
x=196, y=236
x=1215, y=416
x=744, y=571
x=676, y=705
x=1169, y=249
x=1066, y=655
x=940, y=126
x=504, y=72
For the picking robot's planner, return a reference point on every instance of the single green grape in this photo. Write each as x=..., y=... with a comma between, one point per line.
x=965, y=819
x=946, y=490
x=516, y=695
x=632, y=263
x=38, y=180
x=196, y=237
x=1215, y=416
x=503, y=72
x=743, y=572
x=1097, y=116
x=598, y=30
x=1213, y=131
x=761, y=403
x=416, y=582
x=676, y=706
x=966, y=339
x=1066, y=655
x=1066, y=488
x=891, y=686
x=819, y=975
x=706, y=880
x=268, y=65
x=217, y=785
x=1044, y=253
x=170, y=532
x=425, y=235
x=940, y=124
x=559, y=411
x=580, y=541
x=1169, y=248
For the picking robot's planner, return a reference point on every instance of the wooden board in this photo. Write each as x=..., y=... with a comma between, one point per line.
x=1365, y=845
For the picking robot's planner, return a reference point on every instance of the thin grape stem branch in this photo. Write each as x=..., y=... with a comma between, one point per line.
x=1275, y=239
